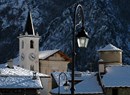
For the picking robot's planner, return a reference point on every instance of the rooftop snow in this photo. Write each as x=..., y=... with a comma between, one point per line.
x=18, y=71
x=47, y=53
x=19, y=82
x=117, y=76
x=68, y=74
x=110, y=47
x=19, y=78
x=88, y=86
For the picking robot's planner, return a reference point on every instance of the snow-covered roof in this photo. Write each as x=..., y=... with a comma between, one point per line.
x=56, y=76
x=89, y=85
x=19, y=82
x=110, y=47
x=18, y=71
x=19, y=78
x=46, y=53
x=78, y=77
x=117, y=76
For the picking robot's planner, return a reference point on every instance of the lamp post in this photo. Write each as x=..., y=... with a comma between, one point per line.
x=82, y=39
x=66, y=85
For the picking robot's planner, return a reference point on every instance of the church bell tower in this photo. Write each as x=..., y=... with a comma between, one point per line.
x=29, y=46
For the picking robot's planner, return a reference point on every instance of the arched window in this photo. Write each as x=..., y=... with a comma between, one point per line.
x=31, y=44
x=22, y=44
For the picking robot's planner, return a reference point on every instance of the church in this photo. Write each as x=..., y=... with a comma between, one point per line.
x=29, y=55
x=41, y=61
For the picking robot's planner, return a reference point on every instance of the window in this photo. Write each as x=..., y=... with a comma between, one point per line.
x=22, y=44
x=114, y=91
x=32, y=67
x=31, y=44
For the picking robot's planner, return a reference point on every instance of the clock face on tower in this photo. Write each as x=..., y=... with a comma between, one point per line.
x=32, y=56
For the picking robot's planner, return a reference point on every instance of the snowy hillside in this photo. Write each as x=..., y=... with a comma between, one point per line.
x=53, y=20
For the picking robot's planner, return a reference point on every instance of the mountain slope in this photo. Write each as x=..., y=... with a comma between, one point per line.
x=53, y=20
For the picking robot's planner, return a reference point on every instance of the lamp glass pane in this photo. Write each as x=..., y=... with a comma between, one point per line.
x=82, y=42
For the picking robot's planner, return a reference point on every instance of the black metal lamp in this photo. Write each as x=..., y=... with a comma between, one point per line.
x=82, y=38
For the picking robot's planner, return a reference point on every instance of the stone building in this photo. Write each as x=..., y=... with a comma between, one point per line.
x=86, y=83
x=115, y=75
x=113, y=78
x=116, y=80
x=53, y=60
x=18, y=81
x=110, y=54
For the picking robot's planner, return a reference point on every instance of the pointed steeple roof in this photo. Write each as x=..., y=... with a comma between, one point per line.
x=29, y=25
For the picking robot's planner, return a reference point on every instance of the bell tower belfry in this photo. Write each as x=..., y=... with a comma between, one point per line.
x=29, y=46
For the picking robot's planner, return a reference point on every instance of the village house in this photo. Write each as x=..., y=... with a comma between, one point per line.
x=116, y=81
x=86, y=83
x=113, y=78
x=115, y=75
x=53, y=60
x=15, y=80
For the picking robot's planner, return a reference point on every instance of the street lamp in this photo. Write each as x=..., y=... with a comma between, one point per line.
x=66, y=84
x=82, y=40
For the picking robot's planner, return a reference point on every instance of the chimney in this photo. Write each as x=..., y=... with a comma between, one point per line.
x=101, y=66
x=10, y=63
x=34, y=76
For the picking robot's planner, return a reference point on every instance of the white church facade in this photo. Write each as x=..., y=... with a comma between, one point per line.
x=29, y=47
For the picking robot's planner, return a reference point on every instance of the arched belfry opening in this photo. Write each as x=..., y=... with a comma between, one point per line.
x=32, y=44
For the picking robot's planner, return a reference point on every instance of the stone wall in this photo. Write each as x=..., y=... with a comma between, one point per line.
x=47, y=67
x=18, y=92
x=121, y=91
x=111, y=56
